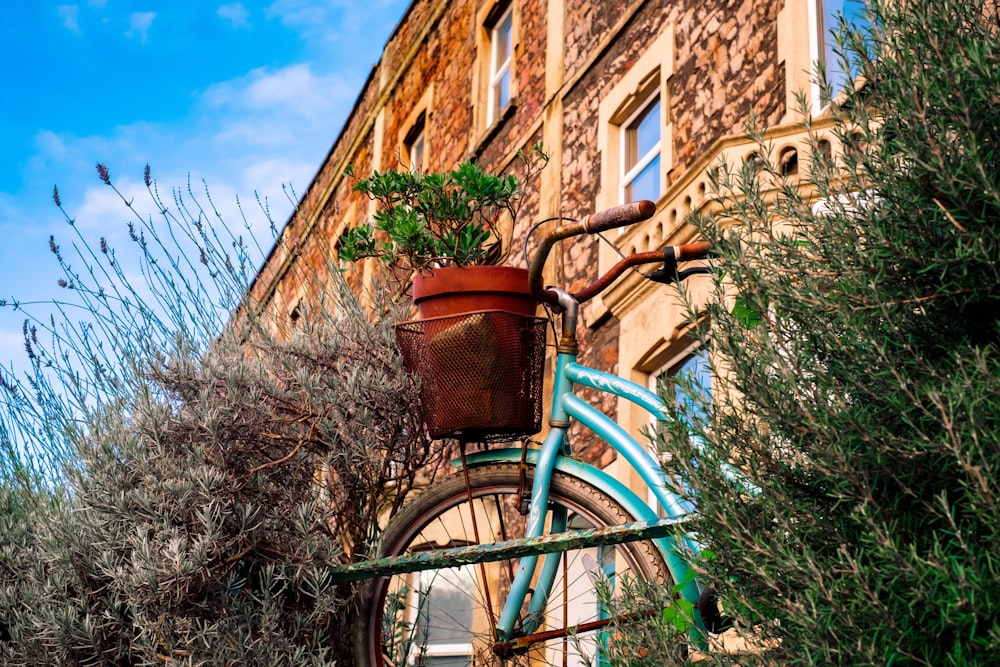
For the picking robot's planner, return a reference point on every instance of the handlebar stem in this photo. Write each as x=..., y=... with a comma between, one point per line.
x=570, y=309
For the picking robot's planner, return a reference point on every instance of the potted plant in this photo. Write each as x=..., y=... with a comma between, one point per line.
x=446, y=230
x=477, y=346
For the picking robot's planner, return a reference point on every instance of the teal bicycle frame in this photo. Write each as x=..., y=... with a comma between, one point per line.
x=555, y=454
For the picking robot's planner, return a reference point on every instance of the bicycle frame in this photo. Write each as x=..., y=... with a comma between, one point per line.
x=555, y=454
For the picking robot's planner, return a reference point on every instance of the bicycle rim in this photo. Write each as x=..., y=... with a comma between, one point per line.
x=446, y=617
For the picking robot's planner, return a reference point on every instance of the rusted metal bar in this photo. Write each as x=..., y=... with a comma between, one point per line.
x=599, y=285
x=522, y=643
x=485, y=553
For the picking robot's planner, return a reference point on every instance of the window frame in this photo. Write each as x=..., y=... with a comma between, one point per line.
x=648, y=76
x=417, y=123
x=651, y=71
x=628, y=174
x=497, y=72
x=487, y=111
x=416, y=158
x=821, y=19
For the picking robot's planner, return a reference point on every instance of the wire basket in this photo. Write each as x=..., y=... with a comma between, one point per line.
x=481, y=373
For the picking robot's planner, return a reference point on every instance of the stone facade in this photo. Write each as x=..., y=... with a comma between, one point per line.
x=715, y=60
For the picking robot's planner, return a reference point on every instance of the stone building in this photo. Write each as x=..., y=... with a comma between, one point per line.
x=636, y=99
x=632, y=100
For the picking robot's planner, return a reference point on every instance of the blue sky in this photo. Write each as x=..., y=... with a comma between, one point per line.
x=245, y=95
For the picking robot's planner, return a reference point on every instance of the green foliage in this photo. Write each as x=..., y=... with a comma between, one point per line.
x=858, y=380
x=182, y=472
x=438, y=219
x=651, y=626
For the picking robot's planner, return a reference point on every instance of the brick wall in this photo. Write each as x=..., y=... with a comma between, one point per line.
x=726, y=63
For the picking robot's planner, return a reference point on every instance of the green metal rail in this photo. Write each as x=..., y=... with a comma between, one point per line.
x=484, y=553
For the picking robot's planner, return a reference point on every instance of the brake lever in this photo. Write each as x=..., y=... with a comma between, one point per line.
x=669, y=274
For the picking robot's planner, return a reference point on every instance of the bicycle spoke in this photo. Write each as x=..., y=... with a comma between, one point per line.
x=455, y=624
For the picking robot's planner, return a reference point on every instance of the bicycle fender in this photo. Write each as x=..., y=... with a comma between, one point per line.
x=583, y=471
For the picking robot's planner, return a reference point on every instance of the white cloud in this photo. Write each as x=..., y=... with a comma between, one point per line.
x=295, y=90
x=299, y=13
x=50, y=144
x=102, y=212
x=255, y=133
x=313, y=18
x=274, y=173
x=70, y=15
x=236, y=14
x=139, y=24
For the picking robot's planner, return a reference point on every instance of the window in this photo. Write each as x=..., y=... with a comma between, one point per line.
x=635, y=141
x=788, y=161
x=443, y=636
x=825, y=22
x=494, y=80
x=414, y=146
x=501, y=55
x=640, y=152
x=298, y=312
x=691, y=394
x=413, y=141
x=634, y=135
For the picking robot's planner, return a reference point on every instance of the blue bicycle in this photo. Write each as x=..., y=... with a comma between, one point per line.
x=540, y=609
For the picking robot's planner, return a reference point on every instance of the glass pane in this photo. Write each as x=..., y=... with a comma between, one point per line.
x=417, y=153
x=852, y=11
x=449, y=612
x=646, y=131
x=503, y=92
x=698, y=374
x=646, y=184
x=502, y=41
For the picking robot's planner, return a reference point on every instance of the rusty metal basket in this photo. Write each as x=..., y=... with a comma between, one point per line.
x=481, y=373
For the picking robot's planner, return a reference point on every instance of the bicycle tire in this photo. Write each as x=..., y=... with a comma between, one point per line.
x=407, y=634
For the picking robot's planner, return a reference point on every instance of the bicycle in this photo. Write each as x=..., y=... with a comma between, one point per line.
x=537, y=609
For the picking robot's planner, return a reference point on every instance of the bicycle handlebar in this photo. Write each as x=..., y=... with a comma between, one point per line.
x=669, y=256
x=618, y=216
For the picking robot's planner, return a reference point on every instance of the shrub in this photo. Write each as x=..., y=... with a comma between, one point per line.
x=857, y=376
x=178, y=489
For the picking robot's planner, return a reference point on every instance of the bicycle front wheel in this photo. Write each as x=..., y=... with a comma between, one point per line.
x=447, y=617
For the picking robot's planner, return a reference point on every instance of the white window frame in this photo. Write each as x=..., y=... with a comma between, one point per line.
x=817, y=52
x=414, y=127
x=647, y=78
x=499, y=70
x=819, y=32
x=629, y=174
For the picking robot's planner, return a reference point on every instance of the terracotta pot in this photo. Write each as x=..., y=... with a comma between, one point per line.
x=462, y=289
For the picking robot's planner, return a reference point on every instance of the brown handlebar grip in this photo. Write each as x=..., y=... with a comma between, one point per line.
x=619, y=216
x=691, y=251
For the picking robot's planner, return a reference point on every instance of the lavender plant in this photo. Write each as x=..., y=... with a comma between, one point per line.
x=178, y=472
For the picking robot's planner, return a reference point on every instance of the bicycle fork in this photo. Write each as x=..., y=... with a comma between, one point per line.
x=567, y=405
x=535, y=525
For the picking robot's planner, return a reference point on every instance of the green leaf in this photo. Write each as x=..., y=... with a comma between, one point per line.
x=747, y=316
